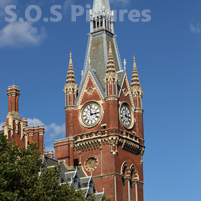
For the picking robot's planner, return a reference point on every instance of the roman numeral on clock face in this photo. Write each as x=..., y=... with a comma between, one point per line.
x=125, y=115
x=91, y=114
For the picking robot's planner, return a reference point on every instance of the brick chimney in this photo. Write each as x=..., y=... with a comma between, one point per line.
x=13, y=93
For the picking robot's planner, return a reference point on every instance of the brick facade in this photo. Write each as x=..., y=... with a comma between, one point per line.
x=104, y=118
x=16, y=128
x=109, y=141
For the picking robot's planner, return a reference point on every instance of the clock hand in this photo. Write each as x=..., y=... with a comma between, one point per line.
x=95, y=113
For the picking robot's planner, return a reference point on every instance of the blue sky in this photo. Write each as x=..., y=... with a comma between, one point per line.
x=34, y=56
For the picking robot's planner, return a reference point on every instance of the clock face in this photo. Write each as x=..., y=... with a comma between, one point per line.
x=125, y=115
x=91, y=114
x=91, y=163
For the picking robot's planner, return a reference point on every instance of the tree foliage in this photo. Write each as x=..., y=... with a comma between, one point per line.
x=22, y=176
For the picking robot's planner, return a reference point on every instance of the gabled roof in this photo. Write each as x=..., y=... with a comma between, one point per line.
x=85, y=181
x=75, y=178
x=69, y=176
x=121, y=76
x=124, y=77
x=80, y=173
x=98, y=49
x=99, y=196
x=97, y=53
x=83, y=82
x=86, y=191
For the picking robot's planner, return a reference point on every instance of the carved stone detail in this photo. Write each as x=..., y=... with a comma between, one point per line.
x=125, y=92
x=90, y=90
x=91, y=163
x=84, y=88
x=94, y=140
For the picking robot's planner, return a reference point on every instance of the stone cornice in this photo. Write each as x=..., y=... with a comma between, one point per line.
x=117, y=175
x=139, y=182
x=107, y=175
x=15, y=115
x=101, y=31
x=62, y=140
x=96, y=140
x=70, y=107
x=112, y=137
x=139, y=110
x=106, y=131
x=111, y=97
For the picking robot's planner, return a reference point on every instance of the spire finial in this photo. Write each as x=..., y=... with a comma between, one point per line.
x=110, y=47
x=134, y=59
x=134, y=63
x=70, y=61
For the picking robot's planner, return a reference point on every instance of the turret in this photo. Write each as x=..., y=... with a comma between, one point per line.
x=111, y=77
x=137, y=93
x=136, y=87
x=16, y=128
x=70, y=91
x=13, y=93
x=70, y=88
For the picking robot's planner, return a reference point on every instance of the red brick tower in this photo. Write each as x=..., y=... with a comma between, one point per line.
x=16, y=128
x=104, y=118
x=70, y=91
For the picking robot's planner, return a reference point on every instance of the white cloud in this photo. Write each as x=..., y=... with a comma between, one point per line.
x=55, y=130
x=195, y=28
x=50, y=148
x=34, y=122
x=52, y=132
x=18, y=34
x=4, y=3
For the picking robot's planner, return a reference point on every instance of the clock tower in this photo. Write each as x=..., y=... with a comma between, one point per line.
x=104, y=117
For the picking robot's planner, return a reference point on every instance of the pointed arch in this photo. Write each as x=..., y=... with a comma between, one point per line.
x=134, y=173
x=125, y=169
